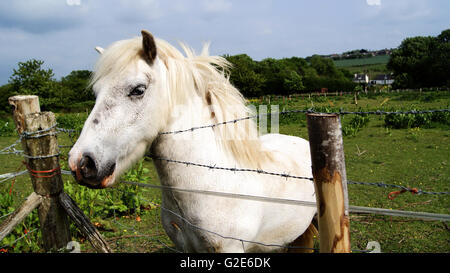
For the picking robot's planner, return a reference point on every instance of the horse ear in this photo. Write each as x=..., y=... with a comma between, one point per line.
x=99, y=49
x=149, y=46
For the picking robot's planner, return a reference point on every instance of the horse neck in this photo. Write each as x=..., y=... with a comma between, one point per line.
x=198, y=146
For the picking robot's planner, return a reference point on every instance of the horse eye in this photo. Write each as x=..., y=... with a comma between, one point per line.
x=137, y=91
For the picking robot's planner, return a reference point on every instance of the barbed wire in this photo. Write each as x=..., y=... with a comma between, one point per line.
x=11, y=149
x=378, y=184
x=209, y=231
x=353, y=209
x=383, y=185
x=308, y=111
x=259, y=198
x=3, y=216
x=8, y=176
x=20, y=238
x=211, y=167
x=132, y=228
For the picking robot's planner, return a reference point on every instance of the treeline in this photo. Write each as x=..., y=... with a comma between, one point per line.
x=422, y=62
x=71, y=93
x=269, y=76
x=418, y=62
x=287, y=76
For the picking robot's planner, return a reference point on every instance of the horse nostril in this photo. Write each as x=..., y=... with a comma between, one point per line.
x=87, y=167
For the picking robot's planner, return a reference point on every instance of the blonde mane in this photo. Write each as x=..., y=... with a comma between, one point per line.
x=204, y=75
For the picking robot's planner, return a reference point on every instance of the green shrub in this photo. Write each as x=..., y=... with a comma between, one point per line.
x=7, y=128
x=427, y=120
x=13, y=242
x=71, y=121
x=123, y=199
x=355, y=125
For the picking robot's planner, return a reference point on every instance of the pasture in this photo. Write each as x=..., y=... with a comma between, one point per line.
x=372, y=66
x=381, y=59
x=128, y=216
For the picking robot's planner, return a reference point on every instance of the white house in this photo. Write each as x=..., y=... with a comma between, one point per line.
x=383, y=79
x=361, y=78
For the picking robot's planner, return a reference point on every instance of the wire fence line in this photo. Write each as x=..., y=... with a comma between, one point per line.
x=353, y=209
x=242, y=241
x=308, y=111
x=284, y=175
x=8, y=176
x=47, y=132
x=18, y=239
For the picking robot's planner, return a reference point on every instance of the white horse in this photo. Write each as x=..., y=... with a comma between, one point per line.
x=144, y=87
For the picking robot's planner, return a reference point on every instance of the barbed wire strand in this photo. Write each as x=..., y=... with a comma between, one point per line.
x=308, y=111
x=352, y=209
x=9, y=176
x=213, y=232
x=378, y=184
x=260, y=171
x=20, y=238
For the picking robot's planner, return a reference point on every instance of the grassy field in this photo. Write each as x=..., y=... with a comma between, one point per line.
x=412, y=157
x=381, y=59
x=372, y=66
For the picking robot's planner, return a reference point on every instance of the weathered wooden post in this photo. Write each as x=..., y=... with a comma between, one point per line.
x=38, y=133
x=41, y=151
x=330, y=181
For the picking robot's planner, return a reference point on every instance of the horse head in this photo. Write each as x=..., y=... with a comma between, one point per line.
x=130, y=88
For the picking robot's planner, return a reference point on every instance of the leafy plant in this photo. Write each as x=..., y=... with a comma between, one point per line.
x=72, y=121
x=123, y=199
x=355, y=125
x=7, y=128
x=427, y=120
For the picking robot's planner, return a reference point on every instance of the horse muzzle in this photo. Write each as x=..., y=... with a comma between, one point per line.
x=87, y=172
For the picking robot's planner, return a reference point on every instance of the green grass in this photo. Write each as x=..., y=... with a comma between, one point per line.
x=409, y=157
x=372, y=66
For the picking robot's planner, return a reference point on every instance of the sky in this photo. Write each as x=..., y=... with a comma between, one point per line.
x=64, y=33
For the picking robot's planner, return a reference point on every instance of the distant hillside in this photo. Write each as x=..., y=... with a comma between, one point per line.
x=359, y=54
x=379, y=59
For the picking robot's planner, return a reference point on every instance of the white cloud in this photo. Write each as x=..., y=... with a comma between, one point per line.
x=73, y=2
x=373, y=2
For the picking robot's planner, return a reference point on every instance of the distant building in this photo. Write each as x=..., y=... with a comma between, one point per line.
x=361, y=78
x=383, y=79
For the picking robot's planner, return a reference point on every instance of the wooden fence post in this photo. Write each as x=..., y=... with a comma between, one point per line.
x=39, y=143
x=40, y=147
x=330, y=181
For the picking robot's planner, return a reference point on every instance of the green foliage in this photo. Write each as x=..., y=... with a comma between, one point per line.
x=71, y=121
x=286, y=76
x=124, y=199
x=7, y=128
x=31, y=78
x=12, y=243
x=422, y=62
x=381, y=59
x=355, y=125
x=405, y=121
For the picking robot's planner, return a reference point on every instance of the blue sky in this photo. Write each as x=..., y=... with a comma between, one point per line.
x=63, y=33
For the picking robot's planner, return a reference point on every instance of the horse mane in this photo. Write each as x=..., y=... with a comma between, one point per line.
x=208, y=77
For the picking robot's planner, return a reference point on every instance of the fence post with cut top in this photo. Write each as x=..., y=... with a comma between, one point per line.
x=330, y=182
x=38, y=134
x=40, y=146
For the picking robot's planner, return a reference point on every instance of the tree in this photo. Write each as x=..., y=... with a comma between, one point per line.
x=293, y=82
x=6, y=91
x=244, y=77
x=76, y=84
x=422, y=61
x=31, y=79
